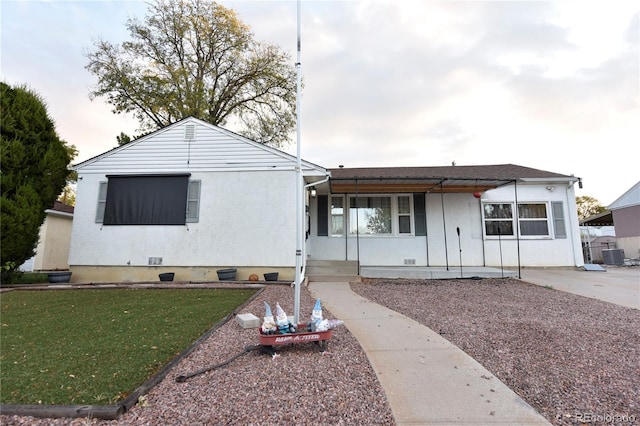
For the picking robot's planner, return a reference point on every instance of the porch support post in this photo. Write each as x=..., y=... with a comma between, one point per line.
x=444, y=226
x=515, y=190
x=426, y=227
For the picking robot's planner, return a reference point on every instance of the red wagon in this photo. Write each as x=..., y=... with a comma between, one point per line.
x=320, y=337
x=267, y=342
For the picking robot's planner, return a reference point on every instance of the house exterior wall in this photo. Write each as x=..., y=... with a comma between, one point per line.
x=442, y=247
x=536, y=251
x=53, y=247
x=234, y=230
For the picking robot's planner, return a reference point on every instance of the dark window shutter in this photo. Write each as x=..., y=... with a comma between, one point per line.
x=323, y=215
x=420, y=214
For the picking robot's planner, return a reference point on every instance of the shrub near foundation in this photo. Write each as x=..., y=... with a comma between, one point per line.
x=97, y=346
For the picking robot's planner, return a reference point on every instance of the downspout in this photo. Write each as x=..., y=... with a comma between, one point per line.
x=444, y=226
x=357, y=227
x=426, y=227
x=484, y=249
x=345, y=225
x=515, y=190
x=572, y=236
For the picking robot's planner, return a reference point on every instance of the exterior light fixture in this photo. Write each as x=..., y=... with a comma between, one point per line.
x=314, y=192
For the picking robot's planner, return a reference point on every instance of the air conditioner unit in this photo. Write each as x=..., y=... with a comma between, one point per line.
x=613, y=256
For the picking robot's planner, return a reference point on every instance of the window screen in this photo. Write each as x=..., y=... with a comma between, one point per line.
x=146, y=200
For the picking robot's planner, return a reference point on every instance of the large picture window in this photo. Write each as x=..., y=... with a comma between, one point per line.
x=148, y=200
x=340, y=215
x=370, y=215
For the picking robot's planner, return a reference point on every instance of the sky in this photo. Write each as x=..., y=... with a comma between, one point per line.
x=552, y=85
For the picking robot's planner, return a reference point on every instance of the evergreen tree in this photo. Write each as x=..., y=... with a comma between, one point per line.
x=33, y=172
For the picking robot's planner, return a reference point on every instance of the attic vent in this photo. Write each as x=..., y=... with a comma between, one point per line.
x=189, y=132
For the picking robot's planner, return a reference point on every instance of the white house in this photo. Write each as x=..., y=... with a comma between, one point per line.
x=193, y=198
x=190, y=198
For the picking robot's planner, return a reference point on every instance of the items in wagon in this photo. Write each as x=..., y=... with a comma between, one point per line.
x=269, y=324
x=282, y=321
x=316, y=317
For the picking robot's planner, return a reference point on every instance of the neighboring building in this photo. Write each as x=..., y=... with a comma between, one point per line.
x=193, y=198
x=626, y=220
x=54, y=241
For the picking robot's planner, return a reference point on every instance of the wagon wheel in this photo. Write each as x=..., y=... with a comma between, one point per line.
x=322, y=345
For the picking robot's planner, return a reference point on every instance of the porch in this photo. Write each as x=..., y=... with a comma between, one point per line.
x=330, y=271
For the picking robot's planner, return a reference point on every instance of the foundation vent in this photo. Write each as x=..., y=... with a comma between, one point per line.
x=155, y=261
x=409, y=261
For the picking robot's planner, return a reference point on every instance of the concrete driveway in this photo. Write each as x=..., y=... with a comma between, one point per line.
x=619, y=285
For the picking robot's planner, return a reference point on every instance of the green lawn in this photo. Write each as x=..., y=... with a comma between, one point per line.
x=97, y=346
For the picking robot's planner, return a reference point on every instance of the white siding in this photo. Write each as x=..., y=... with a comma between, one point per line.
x=212, y=149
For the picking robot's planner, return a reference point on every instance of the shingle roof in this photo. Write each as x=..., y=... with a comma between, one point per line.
x=437, y=179
x=503, y=172
x=61, y=207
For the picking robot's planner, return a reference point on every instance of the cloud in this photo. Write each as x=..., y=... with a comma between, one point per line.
x=394, y=83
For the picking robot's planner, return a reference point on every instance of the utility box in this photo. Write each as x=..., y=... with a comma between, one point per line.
x=613, y=256
x=248, y=321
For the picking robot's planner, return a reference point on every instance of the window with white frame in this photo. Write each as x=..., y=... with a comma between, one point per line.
x=193, y=201
x=404, y=214
x=498, y=219
x=532, y=219
x=337, y=216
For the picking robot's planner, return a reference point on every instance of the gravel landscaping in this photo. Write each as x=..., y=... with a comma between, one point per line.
x=300, y=386
x=575, y=360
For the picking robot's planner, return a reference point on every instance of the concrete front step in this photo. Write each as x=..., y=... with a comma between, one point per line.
x=334, y=278
x=315, y=270
x=331, y=267
x=317, y=262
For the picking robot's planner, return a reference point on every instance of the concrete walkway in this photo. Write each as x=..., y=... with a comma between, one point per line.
x=427, y=380
x=619, y=285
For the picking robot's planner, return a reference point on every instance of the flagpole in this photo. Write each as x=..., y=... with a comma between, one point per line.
x=299, y=176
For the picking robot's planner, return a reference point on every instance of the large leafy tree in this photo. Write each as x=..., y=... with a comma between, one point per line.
x=33, y=171
x=588, y=206
x=196, y=58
